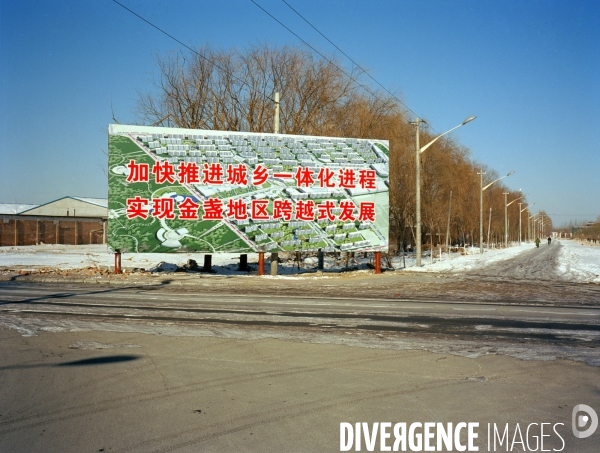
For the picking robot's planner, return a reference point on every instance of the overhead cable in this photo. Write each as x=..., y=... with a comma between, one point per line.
x=185, y=45
x=319, y=53
x=349, y=58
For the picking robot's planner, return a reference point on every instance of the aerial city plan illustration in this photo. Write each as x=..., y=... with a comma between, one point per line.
x=189, y=190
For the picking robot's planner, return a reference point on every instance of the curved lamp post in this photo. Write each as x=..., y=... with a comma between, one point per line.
x=536, y=226
x=545, y=222
x=506, y=205
x=530, y=226
x=419, y=151
x=481, y=173
x=520, y=212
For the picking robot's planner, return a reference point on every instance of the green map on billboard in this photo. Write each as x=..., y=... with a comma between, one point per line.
x=189, y=190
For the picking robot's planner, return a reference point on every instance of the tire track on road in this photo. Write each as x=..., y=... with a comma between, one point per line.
x=535, y=264
x=115, y=403
x=248, y=421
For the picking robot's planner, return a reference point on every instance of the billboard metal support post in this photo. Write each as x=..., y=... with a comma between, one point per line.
x=118, y=263
x=274, y=263
x=207, y=263
x=378, y=262
x=321, y=260
x=243, y=262
x=261, y=263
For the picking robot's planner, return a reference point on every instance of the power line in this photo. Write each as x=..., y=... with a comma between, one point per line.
x=186, y=46
x=573, y=215
x=316, y=51
x=349, y=58
x=287, y=28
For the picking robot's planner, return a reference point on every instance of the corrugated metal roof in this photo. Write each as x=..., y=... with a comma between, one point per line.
x=103, y=202
x=18, y=208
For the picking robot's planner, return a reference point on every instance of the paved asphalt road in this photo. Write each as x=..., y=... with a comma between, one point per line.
x=145, y=369
x=429, y=325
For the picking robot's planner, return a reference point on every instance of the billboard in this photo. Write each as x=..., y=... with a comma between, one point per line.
x=189, y=190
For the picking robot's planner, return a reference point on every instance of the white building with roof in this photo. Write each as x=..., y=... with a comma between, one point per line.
x=71, y=207
x=68, y=220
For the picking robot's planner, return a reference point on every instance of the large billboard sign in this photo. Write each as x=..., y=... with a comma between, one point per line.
x=189, y=190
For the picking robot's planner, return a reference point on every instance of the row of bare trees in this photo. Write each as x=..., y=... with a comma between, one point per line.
x=234, y=90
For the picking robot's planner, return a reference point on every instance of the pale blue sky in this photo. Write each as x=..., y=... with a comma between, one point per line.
x=529, y=70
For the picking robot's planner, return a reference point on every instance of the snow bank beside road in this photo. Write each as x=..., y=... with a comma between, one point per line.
x=463, y=263
x=574, y=262
x=578, y=262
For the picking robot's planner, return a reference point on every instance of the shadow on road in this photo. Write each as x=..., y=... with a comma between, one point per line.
x=104, y=360
x=101, y=360
x=47, y=297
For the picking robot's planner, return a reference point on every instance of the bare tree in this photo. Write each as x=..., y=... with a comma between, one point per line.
x=234, y=90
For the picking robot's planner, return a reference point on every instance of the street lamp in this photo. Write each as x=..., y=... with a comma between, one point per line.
x=419, y=151
x=481, y=205
x=520, y=212
x=536, y=226
x=506, y=205
x=530, y=226
x=543, y=225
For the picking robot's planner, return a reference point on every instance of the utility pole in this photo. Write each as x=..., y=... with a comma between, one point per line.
x=520, y=222
x=448, y=226
x=420, y=150
x=276, y=120
x=489, y=226
x=481, y=205
x=481, y=173
x=275, y=255
x=417, y=123
x=505, y=220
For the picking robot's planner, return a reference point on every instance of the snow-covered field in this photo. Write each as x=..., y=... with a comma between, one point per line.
x=574, y=261
x=579, y=262
x=471, y=260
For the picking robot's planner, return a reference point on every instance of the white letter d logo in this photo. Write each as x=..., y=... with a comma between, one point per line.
x=582, y=420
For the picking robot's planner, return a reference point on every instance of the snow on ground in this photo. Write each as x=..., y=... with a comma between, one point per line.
x=457, y=262
x=80, y=256
x=579, y=262
x=576, y=262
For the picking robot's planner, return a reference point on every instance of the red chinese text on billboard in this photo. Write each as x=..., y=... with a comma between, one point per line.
x=217, y=174
x=237, y=209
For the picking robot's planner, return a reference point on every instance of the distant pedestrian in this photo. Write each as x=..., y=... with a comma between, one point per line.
x=537, y=242
x=549, y=240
